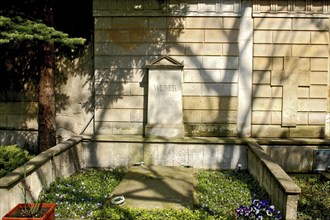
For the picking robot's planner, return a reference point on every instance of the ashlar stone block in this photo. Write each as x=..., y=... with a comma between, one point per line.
x=261, y=77
x=310, y=24
x=261, y=117
x=310, y=51
x=272, y=23
x=319, y=64
x=291, y=37
x=262, y=91
x=272, y=50
x=319, y=78
x=231, y=22
x=204, y=22
x=316, y=118
x=319, y=37
x=318, y=91
x=262, y=37
x=262, y=63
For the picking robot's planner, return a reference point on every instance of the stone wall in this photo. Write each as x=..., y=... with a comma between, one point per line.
x=251, y=68
x=290, y=69
x=289, y=81
x=200, y=153
x=206, y=41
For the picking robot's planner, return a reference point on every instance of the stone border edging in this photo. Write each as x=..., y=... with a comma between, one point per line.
x=284, y=192
x=17, y=175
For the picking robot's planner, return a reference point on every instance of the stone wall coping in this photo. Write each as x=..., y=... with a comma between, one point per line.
x=207, y=140
x=294, y=141
x=281, y=177
x=17, y=175
x=184, y=140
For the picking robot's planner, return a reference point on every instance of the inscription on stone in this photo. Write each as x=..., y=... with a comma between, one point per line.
x=164, y=88
x=165, y=100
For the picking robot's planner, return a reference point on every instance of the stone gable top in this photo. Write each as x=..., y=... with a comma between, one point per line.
x=164, y=62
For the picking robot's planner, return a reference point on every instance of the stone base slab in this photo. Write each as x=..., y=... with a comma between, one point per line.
x=153, y=187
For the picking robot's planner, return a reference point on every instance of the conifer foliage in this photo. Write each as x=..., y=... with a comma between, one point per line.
x=31, y=22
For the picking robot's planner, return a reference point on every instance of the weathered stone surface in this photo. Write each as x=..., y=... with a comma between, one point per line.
x=223, y=36
x=319, y=24
x=192, y=116
x=219, y=117
x=307, y=132
x=290, y=79
x=319, y=64
x=262, y=91
x=318, y=91
x=272, y=23
x=210, y=130
x=319, y=37
x=312, y=105
x=196, y=22
x=269, y=131
x=318, y=77
x=261, y=117
x=262, y=36
x=277, y=50
x=210, y=103
x=153, y=187
x=291, y=37
x=266, y=104
x=262, y=64
x=309, y=51
x=261, y=77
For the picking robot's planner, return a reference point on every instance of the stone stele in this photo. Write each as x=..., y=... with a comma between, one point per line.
x=164, y=118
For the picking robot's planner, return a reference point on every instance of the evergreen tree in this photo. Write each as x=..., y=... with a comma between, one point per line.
x=18, y=28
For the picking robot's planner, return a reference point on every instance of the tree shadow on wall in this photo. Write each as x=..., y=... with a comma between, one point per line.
x=122, y=50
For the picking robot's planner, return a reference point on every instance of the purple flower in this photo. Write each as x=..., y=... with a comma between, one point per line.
x=258, y=210
x=264, y=203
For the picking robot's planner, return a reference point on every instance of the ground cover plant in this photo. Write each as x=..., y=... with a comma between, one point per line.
x=314, y=201
x=86, y=195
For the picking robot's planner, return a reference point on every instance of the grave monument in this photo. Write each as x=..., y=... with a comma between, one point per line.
x=164, y=117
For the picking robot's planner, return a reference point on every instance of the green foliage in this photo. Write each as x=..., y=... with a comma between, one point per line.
x=12, y=157
x=21, y=29
x=220, y=192
x=86, y=195
x=117, y=213
x=82, y=193
x=314, y=201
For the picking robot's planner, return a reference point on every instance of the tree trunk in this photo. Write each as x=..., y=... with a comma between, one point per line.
x=46, y=93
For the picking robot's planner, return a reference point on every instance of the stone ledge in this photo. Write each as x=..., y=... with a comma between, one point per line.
x=16, y=175
x=276, y=171
x=293, y=141
x=184, y=140
x=206, y=140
